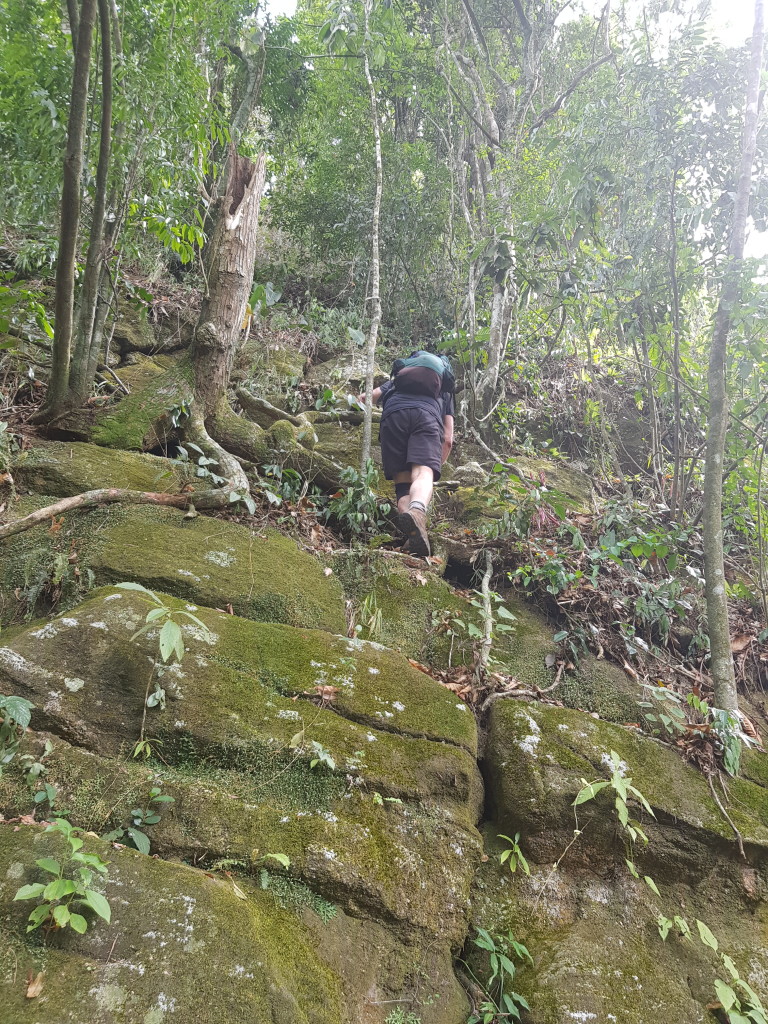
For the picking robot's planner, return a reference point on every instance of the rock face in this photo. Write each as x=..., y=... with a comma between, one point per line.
x=387, y=835
x=277, y=734
x=590, y=926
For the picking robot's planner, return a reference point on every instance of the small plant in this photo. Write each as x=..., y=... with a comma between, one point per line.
x=513, y=856
x=401, y=1016
x=15, y=716
x=69, y=888
x=370, y=617
x=321, y=756
x=282, y=484
x=356, y=508
x=380, y=800
x=671, y=715
x=141, y=818
x=170, y=646
x=501, y=1002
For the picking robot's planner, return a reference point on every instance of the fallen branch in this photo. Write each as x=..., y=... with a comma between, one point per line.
x=114, y=495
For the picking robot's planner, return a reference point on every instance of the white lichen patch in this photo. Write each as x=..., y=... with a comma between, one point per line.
x=529, y=743
x=292, y=716
x=623, y=768
x=374, y=671
x=15, y=870
x=47, y=631
x=113, y=597
x=581, y=1015
x=370, y=737
x=74, y=684
x=221, y=558
x=204, y=635
x=73, y=622
x=462, y=707
x=398, y=706
x=562, y=727
x=186, y=572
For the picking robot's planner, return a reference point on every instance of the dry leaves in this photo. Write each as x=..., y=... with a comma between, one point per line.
x=34, y=985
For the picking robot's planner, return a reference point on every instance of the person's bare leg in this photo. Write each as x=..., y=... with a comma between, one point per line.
x=403, y=478
x=422, y=482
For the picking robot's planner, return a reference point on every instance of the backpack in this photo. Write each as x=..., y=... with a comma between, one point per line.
x=423, y=373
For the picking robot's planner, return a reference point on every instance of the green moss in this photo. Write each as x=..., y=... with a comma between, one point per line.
x=293, y=895
x=64, y=468
x=186, y=943
x=132, y=424
x=212, y=562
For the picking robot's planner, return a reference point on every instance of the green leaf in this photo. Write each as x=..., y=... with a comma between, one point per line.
x=725, y=994
x=138, y=587
x=47, y=864
x=589, y=792
x=78, y=924
x=156, y=613
x=651, y=884
x=706, y=935
x=281, y=858
x=170, y=637
x=29, y=892
x=58, y=888
x=61, y=915
x=140, y=840
x=504, y=613
x=98, y=904
x=19, y=709
x=632, y=868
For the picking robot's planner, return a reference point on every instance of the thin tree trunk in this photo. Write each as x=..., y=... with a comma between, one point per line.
x=375, y=296
x=70, y=217
x=86, y=346
x=721, y=668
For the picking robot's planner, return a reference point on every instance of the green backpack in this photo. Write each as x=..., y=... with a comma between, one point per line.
x=423, y=373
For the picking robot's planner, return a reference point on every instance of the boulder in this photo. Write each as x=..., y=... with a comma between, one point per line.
x=185, y=945
x=345, y=373
x=589, y=926
x=384, y=838
x=66, y=468
x=261, y=575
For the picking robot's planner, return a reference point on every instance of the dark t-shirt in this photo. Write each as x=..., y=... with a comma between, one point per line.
x=439, y=407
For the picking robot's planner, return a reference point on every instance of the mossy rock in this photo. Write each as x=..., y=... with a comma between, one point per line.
x=569, y=485
x=135, y=422
x=416, y=606
x=262, y=575
x=341, y=844
x=180, y=945
x=594, y=685
x=133, y=331
x=345, y=373
x=537, y=755
x=64, y=468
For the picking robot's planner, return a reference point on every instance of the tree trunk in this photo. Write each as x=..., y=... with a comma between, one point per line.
x=70, y=217
x=232, y=255
x=717, y=605
x=88, y=337
x=375, y=296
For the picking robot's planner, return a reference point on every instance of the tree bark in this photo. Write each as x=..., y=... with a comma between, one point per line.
x=375, y=296
x=232, y=256
x=70, y=217
x=87, y=339
x=721, y=665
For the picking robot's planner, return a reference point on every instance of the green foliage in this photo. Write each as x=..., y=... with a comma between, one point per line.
x=356, y=509
x=501, y=1002
x=513, y=855
x=401, y=1016
x=141, y=817
x=670, y=715
x=15, y=716
x=70, y=888
x=295, y=895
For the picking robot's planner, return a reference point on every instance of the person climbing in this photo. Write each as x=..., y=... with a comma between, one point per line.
x=416, y=436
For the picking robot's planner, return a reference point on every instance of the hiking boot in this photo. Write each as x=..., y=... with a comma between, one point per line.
x=413, y=525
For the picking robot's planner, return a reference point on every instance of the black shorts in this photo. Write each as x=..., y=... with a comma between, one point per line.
x=411, y=436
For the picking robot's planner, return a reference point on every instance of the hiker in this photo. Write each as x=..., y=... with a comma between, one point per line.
x=416, y=436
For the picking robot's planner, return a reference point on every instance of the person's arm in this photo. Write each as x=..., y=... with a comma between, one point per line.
x=447, y=437
x=375, y=396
